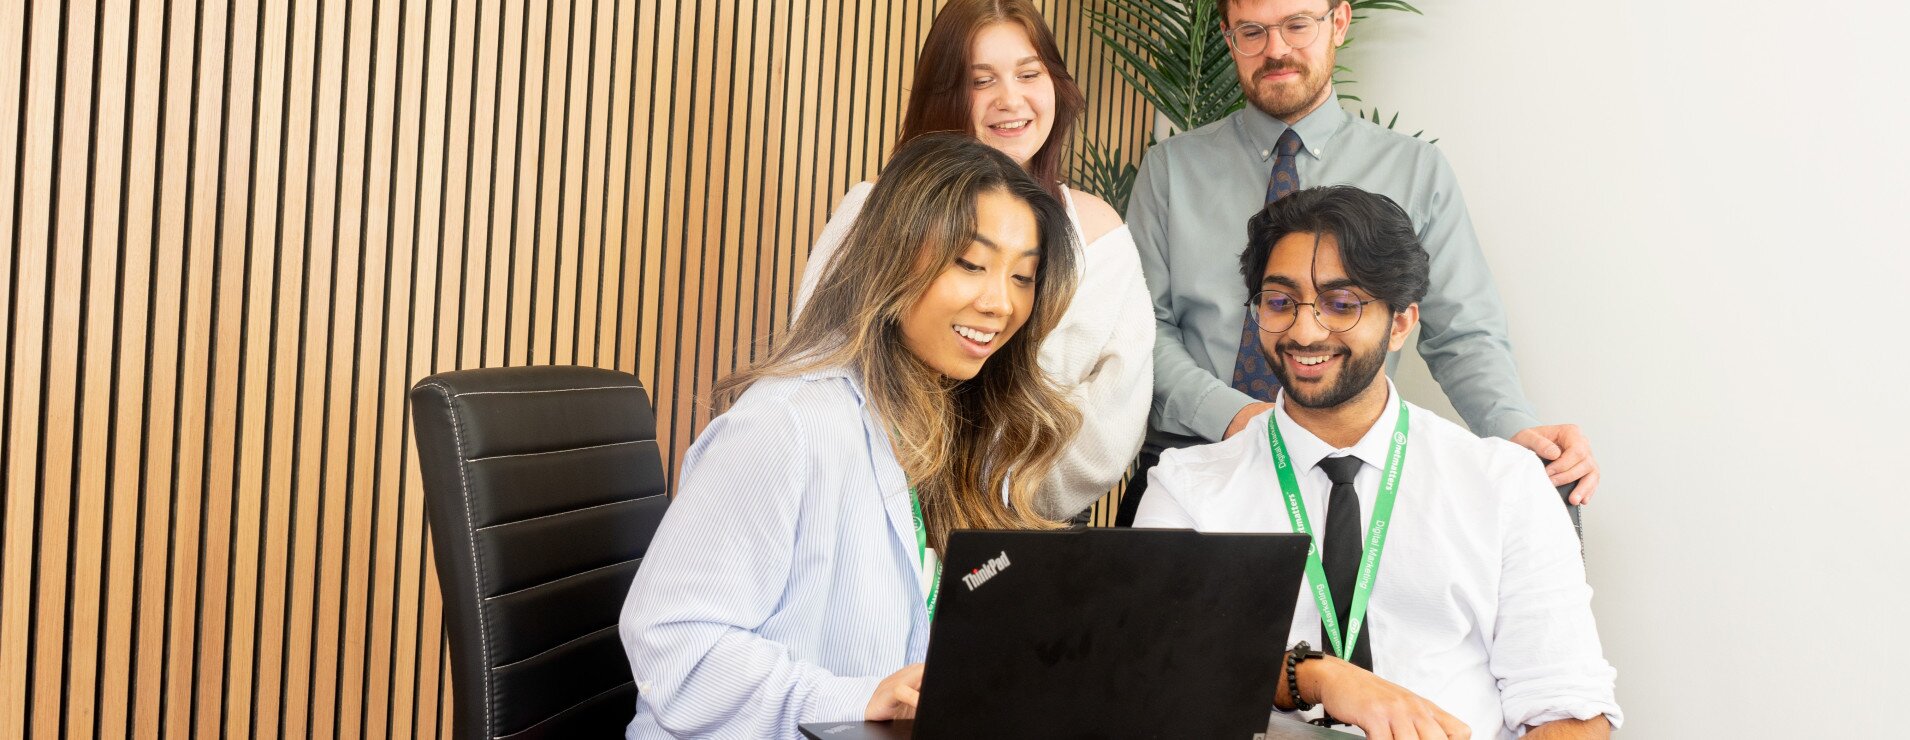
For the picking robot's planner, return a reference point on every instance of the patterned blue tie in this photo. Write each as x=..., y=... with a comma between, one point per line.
x=1252, y=375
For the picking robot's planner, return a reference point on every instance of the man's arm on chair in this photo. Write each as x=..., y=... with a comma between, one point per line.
x=1545, y=650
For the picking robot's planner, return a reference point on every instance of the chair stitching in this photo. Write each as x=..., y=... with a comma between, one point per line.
x=549, y=390
x=567, y=511
x=477, y=573
x=567, y=449
x=555, y=581
x=566, y=710
x=559, y=646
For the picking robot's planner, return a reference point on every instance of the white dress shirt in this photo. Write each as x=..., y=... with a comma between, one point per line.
x=1480, y=603
x=1102, y=354
x=782, y=585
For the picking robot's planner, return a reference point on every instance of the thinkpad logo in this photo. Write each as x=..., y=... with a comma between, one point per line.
x=979, y=576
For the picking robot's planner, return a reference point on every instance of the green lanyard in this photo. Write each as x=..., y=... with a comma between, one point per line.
x=921, y=553
x=1375, y=535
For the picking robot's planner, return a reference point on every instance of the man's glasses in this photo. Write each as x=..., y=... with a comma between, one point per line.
x=1249, y=38
x=1336, y=310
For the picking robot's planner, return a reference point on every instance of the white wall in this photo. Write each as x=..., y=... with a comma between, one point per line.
x=1696, y=214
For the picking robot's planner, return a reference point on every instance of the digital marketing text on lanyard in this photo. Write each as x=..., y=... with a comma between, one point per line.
x=1375, y=535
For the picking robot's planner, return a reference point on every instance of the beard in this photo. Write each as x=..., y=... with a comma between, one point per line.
x=1356, y=373
x=1293, y=98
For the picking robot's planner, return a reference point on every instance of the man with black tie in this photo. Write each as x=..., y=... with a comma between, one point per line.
x=1480, y=616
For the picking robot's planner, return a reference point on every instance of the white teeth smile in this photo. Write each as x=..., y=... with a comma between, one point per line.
x=979, y=337
x=1312, y=360
x=1011, y=125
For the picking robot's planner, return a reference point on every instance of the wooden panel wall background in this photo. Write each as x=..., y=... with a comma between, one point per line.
x=235, y=233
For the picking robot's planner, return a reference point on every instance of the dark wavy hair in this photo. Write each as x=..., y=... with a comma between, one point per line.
x=1381, y=251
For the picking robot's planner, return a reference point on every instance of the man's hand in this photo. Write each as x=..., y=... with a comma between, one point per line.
x=1381, y=708
x=1245, y=415
x=1567, y=454
x=896, y=696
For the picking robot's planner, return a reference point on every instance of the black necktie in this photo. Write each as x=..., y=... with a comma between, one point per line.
x=1342, y=550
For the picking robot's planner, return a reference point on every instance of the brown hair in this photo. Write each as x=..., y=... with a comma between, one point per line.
x=938, y=101
x=961, y=443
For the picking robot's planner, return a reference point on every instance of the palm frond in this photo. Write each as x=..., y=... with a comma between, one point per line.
x=1391, y=124
x=1106, y=173
x=1172, y=53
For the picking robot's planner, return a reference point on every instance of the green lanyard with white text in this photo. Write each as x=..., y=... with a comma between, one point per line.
x=1375, y=537
x=921, y=553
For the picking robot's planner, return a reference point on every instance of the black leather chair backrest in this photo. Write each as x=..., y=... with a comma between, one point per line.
x=543, y=486
x=1578, y=525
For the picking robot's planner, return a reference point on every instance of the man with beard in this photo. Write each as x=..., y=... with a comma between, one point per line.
x=1479, y=615
x=1196, y=189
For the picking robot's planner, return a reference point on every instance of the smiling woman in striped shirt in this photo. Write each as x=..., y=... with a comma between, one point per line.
x=793, y=578
x=991, y=69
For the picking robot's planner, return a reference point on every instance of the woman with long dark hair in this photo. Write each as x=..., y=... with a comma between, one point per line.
x=793, y=578
x=990, y=69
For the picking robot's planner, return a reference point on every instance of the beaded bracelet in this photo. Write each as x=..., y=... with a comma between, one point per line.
x=1299, y=654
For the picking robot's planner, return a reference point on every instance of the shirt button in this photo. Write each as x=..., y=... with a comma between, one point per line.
x=1264, y=153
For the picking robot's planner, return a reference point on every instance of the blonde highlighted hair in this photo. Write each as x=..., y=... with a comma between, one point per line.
x=961, y=443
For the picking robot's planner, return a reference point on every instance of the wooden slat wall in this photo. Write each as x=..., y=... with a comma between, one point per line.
x=235, y=233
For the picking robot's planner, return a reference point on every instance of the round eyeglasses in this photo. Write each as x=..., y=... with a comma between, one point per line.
x=1336, y=310
x=1249, y=38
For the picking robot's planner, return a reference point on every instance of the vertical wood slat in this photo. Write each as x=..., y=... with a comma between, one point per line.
x=233, y=233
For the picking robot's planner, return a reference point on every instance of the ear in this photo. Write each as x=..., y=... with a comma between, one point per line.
x=1403, y=323
x=1342, y=20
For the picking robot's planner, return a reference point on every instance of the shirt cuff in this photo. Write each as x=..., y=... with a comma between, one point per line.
x=843, y=699
x=1216, y=410
x=1507, y=424
x=1610, y=711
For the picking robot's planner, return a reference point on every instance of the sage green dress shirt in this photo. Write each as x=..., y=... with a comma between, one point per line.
x=1189, y=213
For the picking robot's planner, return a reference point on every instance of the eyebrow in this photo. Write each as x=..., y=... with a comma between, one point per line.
x=1022, y=61
x=986, y=242
x=1284, y=282
x=1284, y=19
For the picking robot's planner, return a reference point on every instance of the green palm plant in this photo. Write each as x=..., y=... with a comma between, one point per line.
x=1106, y=173
x=1172, y=53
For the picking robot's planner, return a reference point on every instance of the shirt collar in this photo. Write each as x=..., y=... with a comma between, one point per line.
x=1307, y=450
x=1261, y=131
x=839, y=371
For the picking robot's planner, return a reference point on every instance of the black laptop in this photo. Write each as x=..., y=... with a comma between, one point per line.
x=1103, y=633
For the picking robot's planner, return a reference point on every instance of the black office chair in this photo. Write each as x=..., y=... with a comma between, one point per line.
x=1565, y=494
x=544, y=487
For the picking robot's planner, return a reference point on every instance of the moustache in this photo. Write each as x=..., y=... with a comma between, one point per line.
x=1271, y=67
x=1296, y=347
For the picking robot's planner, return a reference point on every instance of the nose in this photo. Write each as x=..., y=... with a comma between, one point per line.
x=1307, y=328
x=1276, y=45
x=994, y=297
x=1009, y=97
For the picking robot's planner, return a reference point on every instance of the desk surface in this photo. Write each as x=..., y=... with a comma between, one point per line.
x=1279, y=727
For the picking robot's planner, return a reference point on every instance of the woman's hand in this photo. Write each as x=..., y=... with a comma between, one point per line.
x=896, y=696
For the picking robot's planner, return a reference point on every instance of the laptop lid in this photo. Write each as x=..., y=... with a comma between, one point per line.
x=1109, y=633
